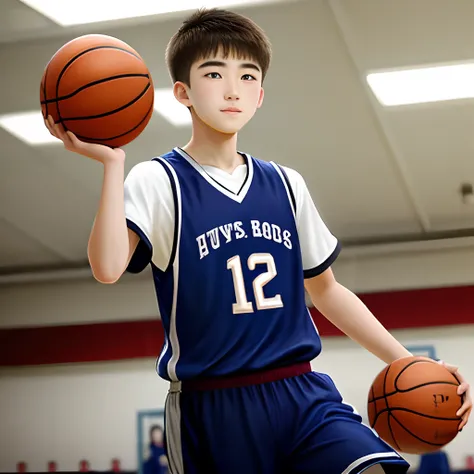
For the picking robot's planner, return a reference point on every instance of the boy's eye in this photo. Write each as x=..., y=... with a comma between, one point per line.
x=213, y=75
x=248, y=77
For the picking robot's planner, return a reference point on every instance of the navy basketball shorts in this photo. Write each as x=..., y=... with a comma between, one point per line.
x=297, y=425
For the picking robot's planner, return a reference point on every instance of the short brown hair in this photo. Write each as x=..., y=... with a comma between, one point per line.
x=206, y=32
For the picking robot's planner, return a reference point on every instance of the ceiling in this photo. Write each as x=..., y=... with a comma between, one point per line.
x=376, y=174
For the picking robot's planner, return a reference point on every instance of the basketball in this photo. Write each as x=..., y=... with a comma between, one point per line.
x=99, y=88
x=412, y=405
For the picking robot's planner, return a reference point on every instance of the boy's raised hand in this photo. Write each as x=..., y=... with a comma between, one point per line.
x=94, y=151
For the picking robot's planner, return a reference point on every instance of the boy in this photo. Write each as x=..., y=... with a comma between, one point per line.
x=232, y=242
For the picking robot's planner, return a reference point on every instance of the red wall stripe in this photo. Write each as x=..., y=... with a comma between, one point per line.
x=138, y=339
x=80, y=343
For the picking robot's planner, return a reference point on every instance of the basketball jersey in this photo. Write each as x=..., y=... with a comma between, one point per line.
x=232, y=297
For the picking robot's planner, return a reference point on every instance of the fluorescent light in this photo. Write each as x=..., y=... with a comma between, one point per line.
x=29, y=127
x=170, y=109
x=67, y=12
x=427, y=84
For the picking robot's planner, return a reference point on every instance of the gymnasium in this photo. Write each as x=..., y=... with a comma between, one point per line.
x=371, y=101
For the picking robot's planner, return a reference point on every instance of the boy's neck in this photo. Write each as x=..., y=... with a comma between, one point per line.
x=210, y=147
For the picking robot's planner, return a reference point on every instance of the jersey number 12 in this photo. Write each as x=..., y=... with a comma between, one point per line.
x=242, y=304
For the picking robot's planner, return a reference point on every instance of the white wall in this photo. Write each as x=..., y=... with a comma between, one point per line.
x=89, y=411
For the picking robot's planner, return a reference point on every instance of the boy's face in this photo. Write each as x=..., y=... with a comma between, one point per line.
x=224, y=93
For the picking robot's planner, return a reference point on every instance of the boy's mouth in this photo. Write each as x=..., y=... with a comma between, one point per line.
x=231, y=110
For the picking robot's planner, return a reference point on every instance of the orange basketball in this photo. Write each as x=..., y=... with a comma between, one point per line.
x=412, y=405
x=100, y=89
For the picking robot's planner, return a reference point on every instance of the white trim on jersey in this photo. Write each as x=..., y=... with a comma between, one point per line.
x=290, y=202
x=163, y=352
x=312, y=321
x=288, y=193
x=240, y=196
x=377, y=458
x=173, y=334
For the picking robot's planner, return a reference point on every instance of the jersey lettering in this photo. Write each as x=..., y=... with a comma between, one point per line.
x=271, y=232
x=211, y=240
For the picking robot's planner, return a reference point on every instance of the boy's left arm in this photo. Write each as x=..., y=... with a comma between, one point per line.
x=349, y=314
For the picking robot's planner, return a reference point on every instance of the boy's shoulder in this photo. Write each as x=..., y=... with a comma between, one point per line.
x=148, y=174
x=294, y=176
x=150, y=165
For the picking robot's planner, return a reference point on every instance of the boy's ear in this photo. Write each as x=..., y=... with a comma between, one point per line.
x=260, y=99
x=180, y=90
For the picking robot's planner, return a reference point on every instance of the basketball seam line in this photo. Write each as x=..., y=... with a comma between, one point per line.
x=44, y=91
x=407, y=390
x=408, y=410
x=415, y=436
x=90, y=84
x=395, y=383
x=388, y=409
x=105, y=114
x=82, y=137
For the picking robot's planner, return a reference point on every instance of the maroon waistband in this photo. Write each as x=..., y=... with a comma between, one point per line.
x=254, y=378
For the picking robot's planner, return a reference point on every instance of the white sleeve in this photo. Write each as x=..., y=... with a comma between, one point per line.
x=149, y=210
x=319, y=247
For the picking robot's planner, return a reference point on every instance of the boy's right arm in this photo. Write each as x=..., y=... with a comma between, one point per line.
x=111, y=243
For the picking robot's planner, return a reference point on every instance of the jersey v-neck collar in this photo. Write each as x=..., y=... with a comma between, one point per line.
x=240, y=195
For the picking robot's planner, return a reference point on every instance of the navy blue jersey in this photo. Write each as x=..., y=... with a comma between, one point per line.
x=232, y=297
